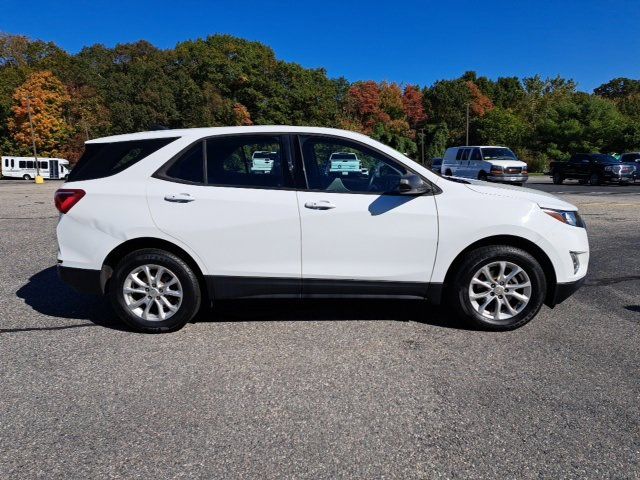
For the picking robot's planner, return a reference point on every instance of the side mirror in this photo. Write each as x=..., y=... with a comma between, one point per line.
x=412, y=185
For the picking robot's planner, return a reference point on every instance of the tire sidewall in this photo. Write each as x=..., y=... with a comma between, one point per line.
x=190, y=288
x=484, y=256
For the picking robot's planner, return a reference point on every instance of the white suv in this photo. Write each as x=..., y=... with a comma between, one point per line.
x=489, y=163
x=164, y=222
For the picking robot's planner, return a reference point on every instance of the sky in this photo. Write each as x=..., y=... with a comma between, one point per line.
x=409, y=42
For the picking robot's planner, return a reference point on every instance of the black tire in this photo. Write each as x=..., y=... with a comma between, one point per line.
x=26, y=177
x=482, y=176
x=557, y=178
x=447, y=173
x=457, y=290
x=594, y=180
x=191, y=295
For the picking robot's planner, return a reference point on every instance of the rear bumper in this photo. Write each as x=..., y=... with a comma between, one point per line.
x=81, y=279
x=564, y=291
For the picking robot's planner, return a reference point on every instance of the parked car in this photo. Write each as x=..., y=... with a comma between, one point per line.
x=591, y=168
x=632, y=158
x=489, y=163
x=344, y=163
x=263, y=162
x=436, y=165
x=25, y=167
x=163, y=222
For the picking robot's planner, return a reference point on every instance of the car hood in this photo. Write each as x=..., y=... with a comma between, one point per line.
x=543, y=199
x=507, y=163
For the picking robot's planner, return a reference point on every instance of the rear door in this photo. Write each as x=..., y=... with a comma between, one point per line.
x=243, y=223
x=358, y=236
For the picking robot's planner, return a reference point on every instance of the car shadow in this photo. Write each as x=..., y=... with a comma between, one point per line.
x=50, y=296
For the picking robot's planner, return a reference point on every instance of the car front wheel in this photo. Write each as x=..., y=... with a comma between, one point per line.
x=154, y=291
x=594, y=179
x=498, y=287
x=557, y=178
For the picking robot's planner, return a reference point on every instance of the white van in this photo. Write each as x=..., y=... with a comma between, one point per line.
x=25, y=167
x=493, y=163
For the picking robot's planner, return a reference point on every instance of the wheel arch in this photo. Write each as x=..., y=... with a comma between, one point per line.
x=513, y=241
x=140, y=243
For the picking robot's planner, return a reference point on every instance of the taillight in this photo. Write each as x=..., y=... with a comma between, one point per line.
x=65, y=198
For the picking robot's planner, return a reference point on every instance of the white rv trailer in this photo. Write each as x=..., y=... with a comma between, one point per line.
x=25, y=167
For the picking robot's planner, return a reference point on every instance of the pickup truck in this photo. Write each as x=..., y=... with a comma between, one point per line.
x=591, y=168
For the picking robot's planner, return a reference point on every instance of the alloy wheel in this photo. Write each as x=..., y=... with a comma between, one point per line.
x=152, y=292
x=500, y=290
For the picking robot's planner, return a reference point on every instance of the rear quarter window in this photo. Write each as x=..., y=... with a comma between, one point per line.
x=101, y=160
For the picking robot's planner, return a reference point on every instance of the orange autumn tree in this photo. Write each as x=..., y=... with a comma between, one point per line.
x=480, y=104
x=49, y=99
x=412, y=100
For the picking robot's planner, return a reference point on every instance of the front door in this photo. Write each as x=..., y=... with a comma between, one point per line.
x=236, y=211
x=358, y=236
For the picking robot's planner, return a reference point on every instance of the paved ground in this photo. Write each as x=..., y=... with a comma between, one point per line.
x=322, y=389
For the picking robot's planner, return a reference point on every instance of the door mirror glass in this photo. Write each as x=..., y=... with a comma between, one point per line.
x=412, y=185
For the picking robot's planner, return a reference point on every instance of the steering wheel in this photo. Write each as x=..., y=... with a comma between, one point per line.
x=377, y=175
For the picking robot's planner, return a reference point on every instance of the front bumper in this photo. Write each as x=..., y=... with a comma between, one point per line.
x=617, y=177
x=83, y=280
x=563, y=291
x=507, y=178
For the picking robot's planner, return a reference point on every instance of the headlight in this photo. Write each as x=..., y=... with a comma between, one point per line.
x=608, y=168
x=496, y=169
x=565, y=216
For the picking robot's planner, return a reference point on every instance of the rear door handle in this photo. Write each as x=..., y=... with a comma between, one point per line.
x=320, y=205
x=179, y=198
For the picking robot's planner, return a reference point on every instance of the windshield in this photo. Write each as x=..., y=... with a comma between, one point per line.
x=498, y=153
x=602, y=158
x=343, y=156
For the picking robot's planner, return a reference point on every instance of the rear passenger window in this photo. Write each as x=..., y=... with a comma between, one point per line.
x=459, y=154
x=465, y=154
x=245, y=161
x=475, y=154
x=101, y=160
x=190, y=166
x=21, y=164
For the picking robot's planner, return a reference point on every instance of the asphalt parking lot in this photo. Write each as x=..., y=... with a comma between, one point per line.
x=319, y=389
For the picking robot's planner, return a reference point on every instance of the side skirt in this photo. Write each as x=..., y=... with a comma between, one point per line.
x=231, y=287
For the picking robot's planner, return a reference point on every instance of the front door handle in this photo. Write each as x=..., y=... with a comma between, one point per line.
x=179, y=198
x=320, y=205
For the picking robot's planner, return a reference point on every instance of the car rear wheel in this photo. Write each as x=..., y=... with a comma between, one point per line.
x=498, y=287
x=154, y=291
x=557, y=178
x=447, y=173
x=26, y=177
x=594, y=179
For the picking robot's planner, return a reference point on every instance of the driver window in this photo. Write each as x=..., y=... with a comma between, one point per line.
x=340, y=166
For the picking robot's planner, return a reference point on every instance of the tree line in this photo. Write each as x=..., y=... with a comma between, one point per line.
x=224, y=80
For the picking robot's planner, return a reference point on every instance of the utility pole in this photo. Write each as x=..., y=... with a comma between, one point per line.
x=422, y=139
x=467, y=125
x=33, y=138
